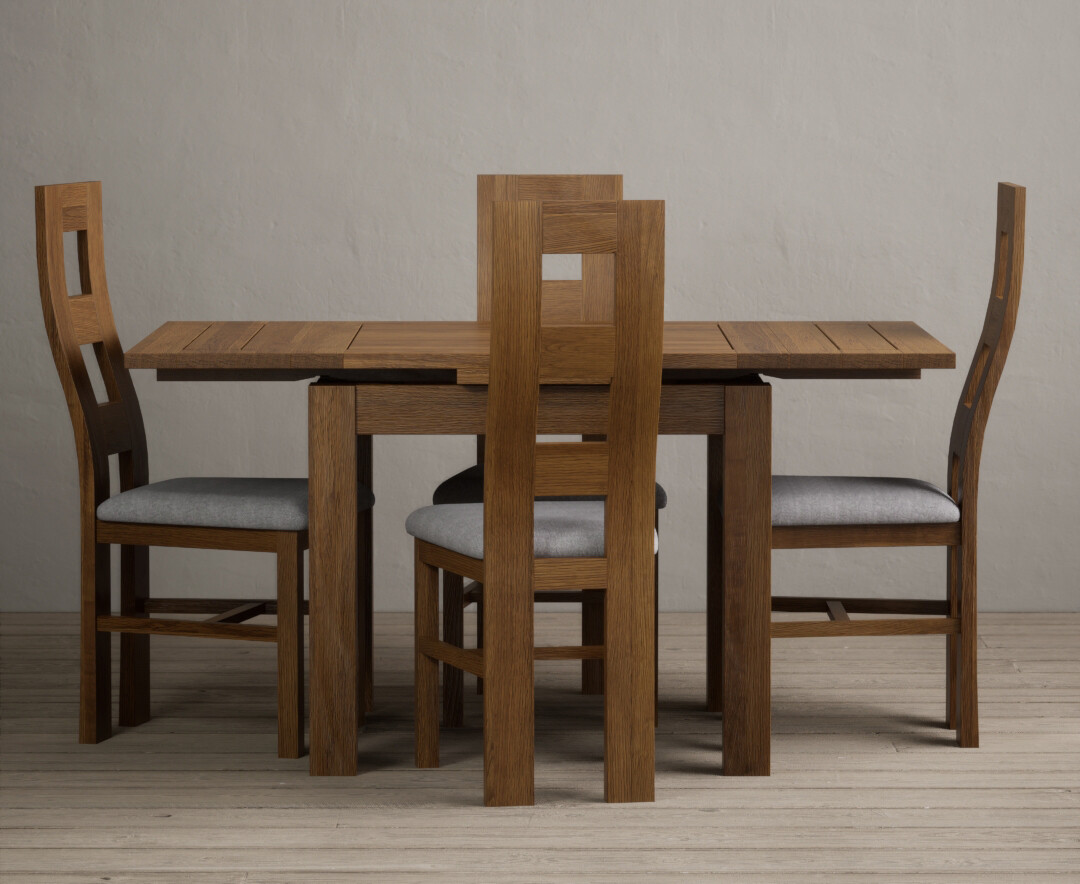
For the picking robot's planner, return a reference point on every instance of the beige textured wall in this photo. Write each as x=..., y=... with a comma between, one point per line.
x=317, y=161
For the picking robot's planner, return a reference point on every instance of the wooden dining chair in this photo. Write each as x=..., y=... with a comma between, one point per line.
x=810, y=512
x=565, y=302
x=552, y=548
x=255, y=514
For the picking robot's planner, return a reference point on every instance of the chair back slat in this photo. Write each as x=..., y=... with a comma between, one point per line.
x=571, y=468
x=977, y=395
x=84, y=319
x=72, y=322
x=560, y=301
x=577, y=354
x=579, y=228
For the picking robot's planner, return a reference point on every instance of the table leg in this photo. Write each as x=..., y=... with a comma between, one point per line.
x=333, y=613
x=746, y=551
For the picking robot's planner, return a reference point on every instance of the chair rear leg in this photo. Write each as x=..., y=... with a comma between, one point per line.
x=952, y=648
x=134, y=648
x=365, y=596
x=453, y=633
x=426, y=625
x=480, y=638
x=290, y=646
x=592, y=633
x=967, y=732
x=656, y=627
x=95, y=648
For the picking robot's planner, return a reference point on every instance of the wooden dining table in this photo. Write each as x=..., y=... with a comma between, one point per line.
x=393, y=378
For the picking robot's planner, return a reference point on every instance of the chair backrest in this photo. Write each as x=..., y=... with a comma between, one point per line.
x=973, y=410
x=74, y=321
x=563, y=301
x=589, y=299
x=624, y=355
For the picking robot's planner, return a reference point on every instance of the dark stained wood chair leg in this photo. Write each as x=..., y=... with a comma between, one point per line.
x=95, y=647
x=592, y=633
x=656, y=630
x=290, y=646
x=453, y=679
x=134, y=648
x=714, y=578
x=967, y=732
x=952, y=648
x=365, y=575
x=480, y=639
x=426, y=625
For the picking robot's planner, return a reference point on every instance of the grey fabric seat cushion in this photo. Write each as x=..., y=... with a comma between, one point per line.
x=561, y=528
x=859, y=500
x=210, y=502
x=468, y=487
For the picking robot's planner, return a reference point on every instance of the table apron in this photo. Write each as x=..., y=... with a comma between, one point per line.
x=452, y=409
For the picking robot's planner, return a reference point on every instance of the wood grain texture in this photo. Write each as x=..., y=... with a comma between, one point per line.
x=426, y=666
x=571, y=468
x=579, y=233
x=826, y=628
x=333, y=519
x=134, y=649
x=745, y=564
x=629, y=741
x=453, y=633
x=405, y=409
x=510, y=442
x=290, y=640
x=851, y=536
x=796, y=349
x=200, y=628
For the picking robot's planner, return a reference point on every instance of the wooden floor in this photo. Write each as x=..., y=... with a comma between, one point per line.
x=866, y=782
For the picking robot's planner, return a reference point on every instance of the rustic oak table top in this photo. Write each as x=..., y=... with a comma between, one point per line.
x=309, y=348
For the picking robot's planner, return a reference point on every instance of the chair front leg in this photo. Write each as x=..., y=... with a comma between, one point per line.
x=426, y=625
x=290, y=646
x=453, y=679
x=134, y=647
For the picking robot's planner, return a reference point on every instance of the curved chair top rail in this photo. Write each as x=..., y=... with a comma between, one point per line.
x=973, y=410
x=74, y=321
x=565, y=301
